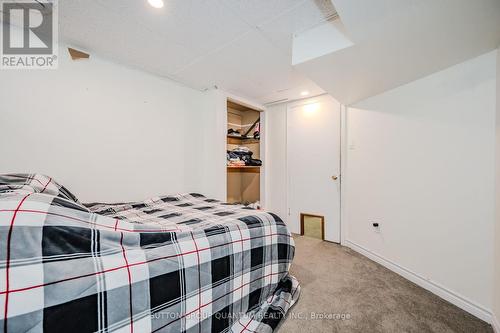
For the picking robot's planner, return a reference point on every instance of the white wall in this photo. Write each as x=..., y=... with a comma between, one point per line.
x=496, y=295
x=276, y=172
x=211, y=147
x=108, y=132
x=421, y=163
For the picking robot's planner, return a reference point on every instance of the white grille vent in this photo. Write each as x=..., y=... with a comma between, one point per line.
x=326, y=7
x=325, y=11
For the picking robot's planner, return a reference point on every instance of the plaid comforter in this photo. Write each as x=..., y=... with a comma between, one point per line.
x=181, y=263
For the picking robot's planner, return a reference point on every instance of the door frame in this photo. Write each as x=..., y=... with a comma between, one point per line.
x=343, y=174
x=342, y=166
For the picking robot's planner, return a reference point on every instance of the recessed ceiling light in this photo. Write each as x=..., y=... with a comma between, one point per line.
x=304, y=93
x=156, y=3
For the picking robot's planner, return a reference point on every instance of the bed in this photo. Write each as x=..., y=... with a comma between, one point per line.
x=177, y=263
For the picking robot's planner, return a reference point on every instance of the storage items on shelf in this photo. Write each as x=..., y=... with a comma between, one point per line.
x=240, y=156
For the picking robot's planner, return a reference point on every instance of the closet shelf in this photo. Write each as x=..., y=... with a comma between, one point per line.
x=243, y=168
x=231, y=139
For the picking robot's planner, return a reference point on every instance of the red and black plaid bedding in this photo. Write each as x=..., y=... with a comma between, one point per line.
x=181, y=263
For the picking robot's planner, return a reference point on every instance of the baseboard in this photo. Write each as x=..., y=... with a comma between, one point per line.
x=495, y=324
x=448, y=295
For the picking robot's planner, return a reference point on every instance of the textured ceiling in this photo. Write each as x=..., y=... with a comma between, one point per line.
x=241, y=46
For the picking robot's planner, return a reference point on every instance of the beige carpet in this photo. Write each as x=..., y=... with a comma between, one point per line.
x=358, y=295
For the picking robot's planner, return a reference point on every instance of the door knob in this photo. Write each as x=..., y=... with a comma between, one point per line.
x=335, y=177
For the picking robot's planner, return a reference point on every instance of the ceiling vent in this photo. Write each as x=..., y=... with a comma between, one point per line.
x=326, y=7
x=326, y=12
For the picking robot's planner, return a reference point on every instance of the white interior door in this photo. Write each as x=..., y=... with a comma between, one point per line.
x=313, y=161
